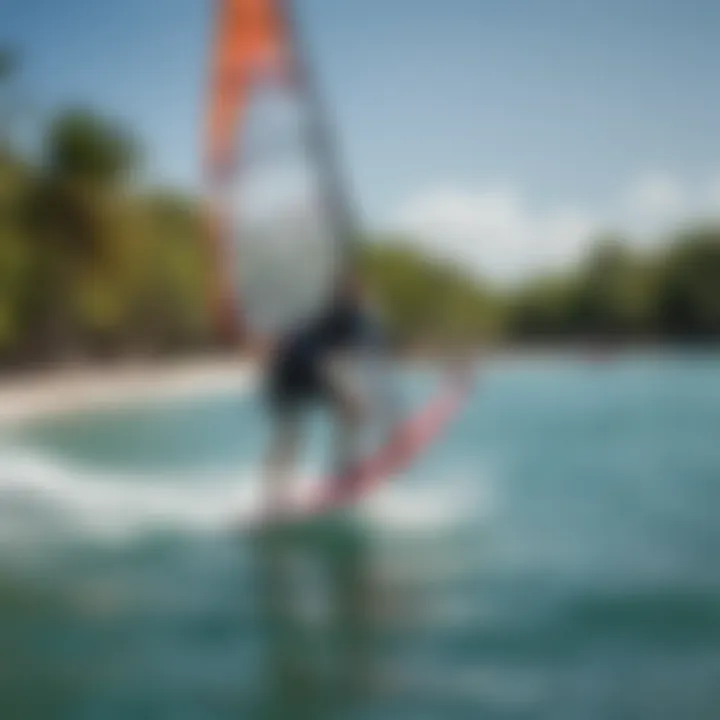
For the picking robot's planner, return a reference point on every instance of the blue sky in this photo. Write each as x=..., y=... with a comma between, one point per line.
x=487, y=126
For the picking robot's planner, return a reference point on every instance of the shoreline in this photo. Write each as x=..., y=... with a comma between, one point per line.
x=29, y=395
x=48, y=392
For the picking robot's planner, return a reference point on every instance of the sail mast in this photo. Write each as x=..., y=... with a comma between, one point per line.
x=322, y=145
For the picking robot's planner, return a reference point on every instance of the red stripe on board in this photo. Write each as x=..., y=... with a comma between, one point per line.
x=404, y=446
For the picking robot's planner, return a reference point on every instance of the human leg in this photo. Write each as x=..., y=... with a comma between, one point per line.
x=281, y=458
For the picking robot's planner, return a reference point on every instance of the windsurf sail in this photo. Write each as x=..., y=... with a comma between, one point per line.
x=282, y=228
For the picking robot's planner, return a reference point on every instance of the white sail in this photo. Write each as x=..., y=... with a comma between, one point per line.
x=286, y=249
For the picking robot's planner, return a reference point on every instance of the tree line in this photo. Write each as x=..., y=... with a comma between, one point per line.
x=616, y=295
x=93, y=264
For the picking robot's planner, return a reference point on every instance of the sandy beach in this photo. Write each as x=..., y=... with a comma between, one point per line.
x=27, y=397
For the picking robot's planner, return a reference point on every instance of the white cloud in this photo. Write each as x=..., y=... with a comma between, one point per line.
x=493, y=230
x=654, y=204
x=496, y=232
x=713, y=195
x=656, y=195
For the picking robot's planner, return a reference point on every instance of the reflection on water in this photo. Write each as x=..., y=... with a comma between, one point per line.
x=298, y=622
x=318, y=593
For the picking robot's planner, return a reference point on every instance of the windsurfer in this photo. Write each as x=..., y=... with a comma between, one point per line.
x=303, y=372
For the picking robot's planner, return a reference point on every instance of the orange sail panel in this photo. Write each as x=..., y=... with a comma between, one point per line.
x=252, y=44
x=278, y=230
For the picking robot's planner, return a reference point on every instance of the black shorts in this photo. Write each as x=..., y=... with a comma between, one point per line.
x=294, y=383
x=296, y=376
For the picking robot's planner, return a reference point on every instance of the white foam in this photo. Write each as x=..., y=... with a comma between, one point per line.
x=452, y=500
x=53, y=495
x=120, y=506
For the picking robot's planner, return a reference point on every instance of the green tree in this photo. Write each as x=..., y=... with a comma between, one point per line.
x=688, y=305
x=166, y=275
x=611, y=298
x=14, y=255
x=72, y=215
x=8, y=66
x=427, y=301
x=541, y=310
x=86, y=148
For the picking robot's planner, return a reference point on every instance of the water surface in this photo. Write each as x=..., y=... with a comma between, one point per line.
x=555, y=556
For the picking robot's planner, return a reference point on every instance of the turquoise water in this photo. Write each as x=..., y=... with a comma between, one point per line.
x=555, y=556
